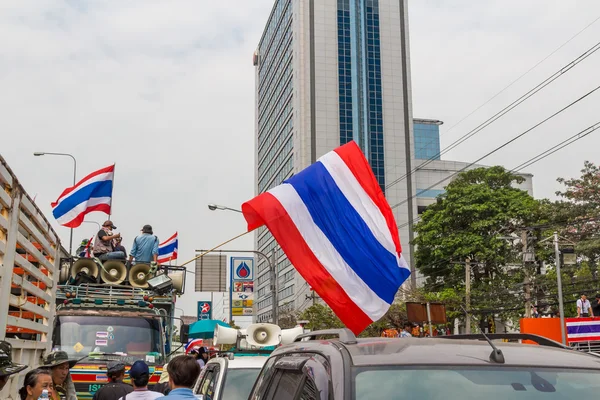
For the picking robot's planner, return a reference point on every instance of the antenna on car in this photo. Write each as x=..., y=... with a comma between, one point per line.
x=496, y=355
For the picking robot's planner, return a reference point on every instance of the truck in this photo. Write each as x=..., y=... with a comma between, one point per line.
x=30, y=254
x=110, y=311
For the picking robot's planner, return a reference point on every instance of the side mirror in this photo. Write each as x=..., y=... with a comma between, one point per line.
x=184, y=333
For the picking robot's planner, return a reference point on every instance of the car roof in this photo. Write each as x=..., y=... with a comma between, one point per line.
x=432, y=351
x=240, y=362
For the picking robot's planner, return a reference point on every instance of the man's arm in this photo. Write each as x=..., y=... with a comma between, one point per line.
x=579, y=308
x=107, y=237
x=133, y=250
x=155, y=250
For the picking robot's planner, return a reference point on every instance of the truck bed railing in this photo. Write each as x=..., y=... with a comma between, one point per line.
x=109, y=293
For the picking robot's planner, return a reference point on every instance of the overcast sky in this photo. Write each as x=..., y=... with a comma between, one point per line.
x=166, y=90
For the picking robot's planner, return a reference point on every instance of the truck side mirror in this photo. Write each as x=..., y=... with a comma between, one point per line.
x=184, y=333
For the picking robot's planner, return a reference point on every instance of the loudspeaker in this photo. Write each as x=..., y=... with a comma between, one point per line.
x=138, y=275
x=65, y=269
x=86, y=266
x=184, y=333
x=288, y=335
x=114, y=272
x=224, y=335
x=263, y=335
x=177, y=279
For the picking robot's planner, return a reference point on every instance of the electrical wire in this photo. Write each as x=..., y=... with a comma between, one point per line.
x=504, y=111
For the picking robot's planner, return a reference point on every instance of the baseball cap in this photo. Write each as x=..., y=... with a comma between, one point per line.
x=115, y=366
x=109, y=223
x=138, y=369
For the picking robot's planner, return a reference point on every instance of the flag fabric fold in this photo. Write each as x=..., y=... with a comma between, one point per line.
x=92, y=193
x=336, y=227
x=167, y=250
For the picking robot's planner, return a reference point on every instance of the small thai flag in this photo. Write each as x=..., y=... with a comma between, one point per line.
x=92, y=193
x=339, y=232
x=167, y=250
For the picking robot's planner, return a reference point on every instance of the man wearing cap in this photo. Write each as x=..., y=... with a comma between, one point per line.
x=140, y=375
x=7, y=367
x=145, y=247
x=60, y=364
x=103, y=244
x=115, y=389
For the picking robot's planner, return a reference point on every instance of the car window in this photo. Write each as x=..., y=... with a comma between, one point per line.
x=309, y=390
x=264, y=378
x=285, y=385
x=209, y=382
x=238, y=383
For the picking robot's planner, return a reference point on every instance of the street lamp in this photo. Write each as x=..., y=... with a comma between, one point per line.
x=93, y=222
x=214, y=207
x=42, y=153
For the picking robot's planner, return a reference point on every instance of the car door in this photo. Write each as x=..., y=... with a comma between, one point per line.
x=207, y=387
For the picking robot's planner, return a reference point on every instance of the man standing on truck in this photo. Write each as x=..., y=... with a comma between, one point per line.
x=7, y=367
x=584, y=307
x=145, y=247
x=103, y=245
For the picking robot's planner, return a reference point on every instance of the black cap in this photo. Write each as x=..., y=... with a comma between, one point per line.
x=115, y=366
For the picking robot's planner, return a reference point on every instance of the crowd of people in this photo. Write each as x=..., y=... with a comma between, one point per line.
x=52, y=379
x=108, y=245
x=410, y=329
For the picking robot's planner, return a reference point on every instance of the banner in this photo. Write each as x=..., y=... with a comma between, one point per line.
x=241, y=289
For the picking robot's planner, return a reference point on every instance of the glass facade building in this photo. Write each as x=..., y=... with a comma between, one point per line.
x=427, y=139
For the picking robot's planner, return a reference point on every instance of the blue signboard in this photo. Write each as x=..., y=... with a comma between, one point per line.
x=241, y=287
x=204, y=310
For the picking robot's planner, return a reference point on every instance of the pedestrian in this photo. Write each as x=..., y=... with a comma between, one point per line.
x=119, y=246
x=36, y=381
x=405, y=332
x=59, y=365
x=596, y=306
x=183, y=371
x=103, y=244
x=140, y=375
x=7, y=367
x=163, y=383
x=115, y=389
x=145, y=247
x=201, y=356
x=534, y=312
x=584, y=308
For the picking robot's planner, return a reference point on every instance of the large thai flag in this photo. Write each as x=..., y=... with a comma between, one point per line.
x=583, y=329
x=92, y=193
x=339, y=232
x=167, y=250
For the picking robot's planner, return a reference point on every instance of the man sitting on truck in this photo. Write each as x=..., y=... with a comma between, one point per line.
x=7, y=367
x=145, y=247
x=103, y=245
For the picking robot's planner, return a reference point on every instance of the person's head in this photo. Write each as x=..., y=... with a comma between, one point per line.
x=36, y=381
x=7, y=367
x=59, y=364
x=407, y=326
x=108, y=225
x=598, y=296
x=203, y=353
x=147, y=229
x=583, y=296
x=183, y=371
x=140, y=374
x=115, y=370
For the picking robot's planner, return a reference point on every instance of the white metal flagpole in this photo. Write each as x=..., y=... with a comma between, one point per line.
x=112, y=192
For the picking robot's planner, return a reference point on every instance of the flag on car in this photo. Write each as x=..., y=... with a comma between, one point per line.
x=167, y=250
x=92, y=193
x=334, y=224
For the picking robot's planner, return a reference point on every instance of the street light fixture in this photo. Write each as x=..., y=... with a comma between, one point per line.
x=214, y=207
x=42, y=153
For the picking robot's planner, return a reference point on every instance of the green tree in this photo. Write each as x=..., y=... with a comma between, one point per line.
x=319, y=317
x=393, y=318
x=471, y=221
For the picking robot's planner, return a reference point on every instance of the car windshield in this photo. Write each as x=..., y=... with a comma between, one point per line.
x=127, y=338
x=239, y=382
x=475, y=383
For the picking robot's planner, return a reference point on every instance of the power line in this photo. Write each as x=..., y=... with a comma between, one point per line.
x=499, y=147
x=504, y=111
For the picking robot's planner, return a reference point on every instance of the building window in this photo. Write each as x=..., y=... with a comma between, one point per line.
x=344, y=71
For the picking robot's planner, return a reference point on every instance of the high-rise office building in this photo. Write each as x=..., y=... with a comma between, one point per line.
x=327, y=72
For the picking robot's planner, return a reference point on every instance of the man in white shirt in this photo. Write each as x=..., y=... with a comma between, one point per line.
x=140, y=375
x=584, y=308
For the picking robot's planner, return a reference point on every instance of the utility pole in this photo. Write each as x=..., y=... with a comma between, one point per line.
x=561, y=308
x=468, y=295
x=313, y=297
x=275, y=310
x=526, y=282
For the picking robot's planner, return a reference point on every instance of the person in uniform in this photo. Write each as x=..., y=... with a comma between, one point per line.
x=7, y=367
x=116, y=388
x=59, y=364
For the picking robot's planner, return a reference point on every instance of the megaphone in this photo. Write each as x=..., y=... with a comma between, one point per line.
x=263, y=335
x=224, y=335
x=85, y=265
x=114, y=272
x=138, y=275
x=177, y=279
x=289, y=335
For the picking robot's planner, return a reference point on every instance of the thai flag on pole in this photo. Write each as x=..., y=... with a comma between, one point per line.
x=167, y=250
x=339, y=232
x=92, y=193
x=583, y=329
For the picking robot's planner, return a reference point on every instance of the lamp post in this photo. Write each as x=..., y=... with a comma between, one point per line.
x=93, y=222
x=214, y=207
x=42, y=153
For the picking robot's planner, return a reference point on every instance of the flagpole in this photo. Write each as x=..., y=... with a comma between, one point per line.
x=113, y=190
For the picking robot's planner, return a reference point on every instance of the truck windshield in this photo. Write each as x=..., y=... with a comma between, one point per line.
x=131, y=337
x=467, y=383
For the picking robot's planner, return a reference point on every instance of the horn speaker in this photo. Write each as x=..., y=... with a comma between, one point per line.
x=114, y=272
x=177, y=279
x=85, y=265
x=288, y=335
x=224, y=335
x=138, y=275
x=263, y=335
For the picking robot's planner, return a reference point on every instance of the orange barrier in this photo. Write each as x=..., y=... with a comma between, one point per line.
x=546, y=327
